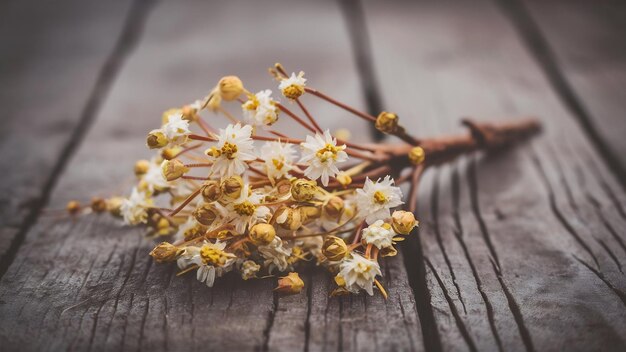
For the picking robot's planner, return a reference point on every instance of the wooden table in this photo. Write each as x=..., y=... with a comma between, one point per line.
x=522, y=250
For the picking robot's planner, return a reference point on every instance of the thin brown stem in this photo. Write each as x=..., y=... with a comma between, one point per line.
x=186, y=201
x=309, y=116
x=356, y=112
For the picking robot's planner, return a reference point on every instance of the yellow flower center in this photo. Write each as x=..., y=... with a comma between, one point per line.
x=229, y=150
x=380, y=198
x=212, y=255
x=329, y=151
x=251, y=104
x=293, y=91
x=362, y=267
x=245, y=208
x=278, y=164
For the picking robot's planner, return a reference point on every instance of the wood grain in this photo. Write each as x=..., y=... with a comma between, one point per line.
x=89, y=283
x=584, y=40
x=523, y=249
x=45, y=99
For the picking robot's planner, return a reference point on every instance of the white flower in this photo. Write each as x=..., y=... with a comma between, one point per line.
x=207, y=271
x=376, y=198
x=134, y=209
x=359, y=273
x=234, y=147
x=249, y=269
x=321, y=153
x=176, y=129
x=278, y=158
x=154, y=179
x=245, y=211
x=260, y=109
x=379, y=234
x=275, y=255
x=293, y=87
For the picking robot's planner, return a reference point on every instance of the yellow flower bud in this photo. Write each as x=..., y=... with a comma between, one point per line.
x=170, y=153
x=417, y=155
x=288, y=218
x=340, y=281
x=189, y=113
x=262, y=234
x=141, y=167
x=403, y=221
x=388, y=252
x=173, y=169
x=308, y=213
x=344, y=179
x=334, y=207
x=73, y=207
x=232, y=186
x=205, y=214
x=98, y=205
x=334, y=248
x=387, y=122
x=230, y=87
x=211, y=191
x=165, y=252
x=114, y=204
x=156, y=139
x=290, y=284
x=303, y=190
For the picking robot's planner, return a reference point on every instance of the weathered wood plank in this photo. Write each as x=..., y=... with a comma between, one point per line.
x=585, y=39
x=89, y=283
x=524, y=249
x=44, y=98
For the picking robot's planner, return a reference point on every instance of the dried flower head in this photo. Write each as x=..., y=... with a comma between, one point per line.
x=261, y=202
x=293, y=87
x=290, y=284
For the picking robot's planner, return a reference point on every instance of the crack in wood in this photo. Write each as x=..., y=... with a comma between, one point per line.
x=555, y=209
x=458, y=233
x=617, y=291
x=126, y=43
x=434, y=207
x=457, y=317
x=542, y=52
x=515, y=309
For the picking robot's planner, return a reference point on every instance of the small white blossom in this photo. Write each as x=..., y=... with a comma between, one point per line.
x=359, y=273
x=245, y=211
x=134, y=209
x=376, y=198
x=234, y=147
x=378, y=234
x=206, y=272
x=293, y=87
x=321, y=154
x=260, y=109
x=176, y=129
x=275, y=255
x=154, y=179
x=278, y=158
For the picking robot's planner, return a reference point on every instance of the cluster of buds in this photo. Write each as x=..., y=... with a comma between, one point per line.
x=248, y=199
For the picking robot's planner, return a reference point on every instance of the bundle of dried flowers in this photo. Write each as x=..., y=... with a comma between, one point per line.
x=260, y=202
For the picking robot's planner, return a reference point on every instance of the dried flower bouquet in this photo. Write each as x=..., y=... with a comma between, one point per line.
x=260, y=202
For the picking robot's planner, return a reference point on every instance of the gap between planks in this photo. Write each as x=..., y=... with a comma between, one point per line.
x=125, y=44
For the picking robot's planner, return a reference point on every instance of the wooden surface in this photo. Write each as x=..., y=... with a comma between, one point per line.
x=523, y=250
